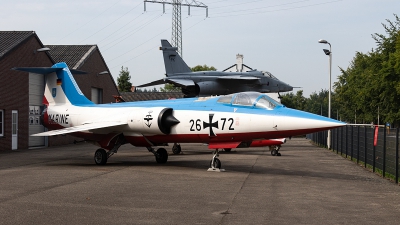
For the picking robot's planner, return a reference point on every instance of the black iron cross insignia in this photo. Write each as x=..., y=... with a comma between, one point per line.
x=210, y=125
x=148, y=118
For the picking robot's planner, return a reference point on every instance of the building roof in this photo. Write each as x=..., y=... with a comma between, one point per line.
x=11, y=39
x=144, y=96
x=73, y=55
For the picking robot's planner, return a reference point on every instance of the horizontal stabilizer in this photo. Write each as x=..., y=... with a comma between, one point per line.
x=38, y=70
x=216, y=145
x=45, y=70
x=85, y=127
x=238, y=77
x=181, y=82
x=157, y=82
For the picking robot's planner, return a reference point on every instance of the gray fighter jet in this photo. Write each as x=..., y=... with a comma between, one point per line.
x=205, y=83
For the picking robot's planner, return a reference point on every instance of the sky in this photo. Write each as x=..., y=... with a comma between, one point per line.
x=276, y=36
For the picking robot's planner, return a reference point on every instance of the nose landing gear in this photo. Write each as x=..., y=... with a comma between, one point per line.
x=215, y=164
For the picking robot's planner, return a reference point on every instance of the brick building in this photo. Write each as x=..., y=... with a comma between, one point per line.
x=17, y=49
x=87, y=58
x=21, y=93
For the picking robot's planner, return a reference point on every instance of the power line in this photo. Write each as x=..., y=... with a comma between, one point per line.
x=132, y=32
x=252, y=11
x=150, y=49
x=139, y=45
x=176, y=38
x=112, y=33
x=110, y=23
x=89, y=21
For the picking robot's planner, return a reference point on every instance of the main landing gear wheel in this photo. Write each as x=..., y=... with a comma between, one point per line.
x=216, y=163
x=161, y=155
x=176, y=149
x=275, y=150
x=100, y=157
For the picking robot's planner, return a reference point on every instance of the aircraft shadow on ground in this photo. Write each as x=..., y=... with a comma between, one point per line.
x=203, y=164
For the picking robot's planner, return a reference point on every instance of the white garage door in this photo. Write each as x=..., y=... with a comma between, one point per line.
x=36, y=89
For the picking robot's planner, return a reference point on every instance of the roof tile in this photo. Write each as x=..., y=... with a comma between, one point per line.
x=10, y=39
x=145, y=96
x=72, y=55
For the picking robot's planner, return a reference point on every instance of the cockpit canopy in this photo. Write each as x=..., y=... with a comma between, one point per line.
x=268, y=74
x=254, y=99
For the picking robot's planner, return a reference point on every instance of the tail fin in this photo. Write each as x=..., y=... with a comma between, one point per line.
x=172, y=60
x=61, y=87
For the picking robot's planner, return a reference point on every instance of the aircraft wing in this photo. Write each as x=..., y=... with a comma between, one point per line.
x=181, y=82
x=84, y=127
x=238, y=77
x=157, y=82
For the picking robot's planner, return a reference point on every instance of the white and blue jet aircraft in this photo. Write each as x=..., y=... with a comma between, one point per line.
x=222, y=122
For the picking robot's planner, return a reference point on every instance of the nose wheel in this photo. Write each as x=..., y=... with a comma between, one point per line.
x=216, y=163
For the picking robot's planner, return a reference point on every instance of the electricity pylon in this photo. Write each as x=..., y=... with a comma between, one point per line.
x=176, y=38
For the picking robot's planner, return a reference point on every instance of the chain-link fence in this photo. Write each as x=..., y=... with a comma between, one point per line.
x=376, y=148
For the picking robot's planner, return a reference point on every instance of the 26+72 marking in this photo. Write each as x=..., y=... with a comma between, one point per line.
x=226, y=123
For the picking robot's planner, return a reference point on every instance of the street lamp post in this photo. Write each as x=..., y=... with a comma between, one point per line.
x=329, y=53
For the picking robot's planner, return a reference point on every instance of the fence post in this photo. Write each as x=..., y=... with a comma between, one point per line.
x=365, y=147
x=342, y=141
x=397, y=156
x=337, y=140
x=351, y=144
x=373, y=151
x=347, y=134
x=358, y=144
x=384, y=152
x=325, y=136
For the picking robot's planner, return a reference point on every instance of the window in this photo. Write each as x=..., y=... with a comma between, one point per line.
x=34, y=114
x=225, y=98
x=1, y=123
x=267, y=103
x=245, y=98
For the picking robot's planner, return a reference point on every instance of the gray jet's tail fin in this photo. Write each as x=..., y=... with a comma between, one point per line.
x=172, y=60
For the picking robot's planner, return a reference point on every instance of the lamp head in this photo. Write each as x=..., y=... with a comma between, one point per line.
x=41, y=50
x=327, y=52
x=101, y=73
x=323, y=41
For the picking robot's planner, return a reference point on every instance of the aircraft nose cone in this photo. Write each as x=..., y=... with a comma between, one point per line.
x=304, y=122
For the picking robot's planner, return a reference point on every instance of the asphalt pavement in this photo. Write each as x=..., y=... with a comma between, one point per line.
x=306, y=185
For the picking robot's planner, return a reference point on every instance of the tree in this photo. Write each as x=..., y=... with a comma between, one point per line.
x=123, y=80
x=372, y=81
x=203, y=68
x=170, y=88
x=318, y=103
